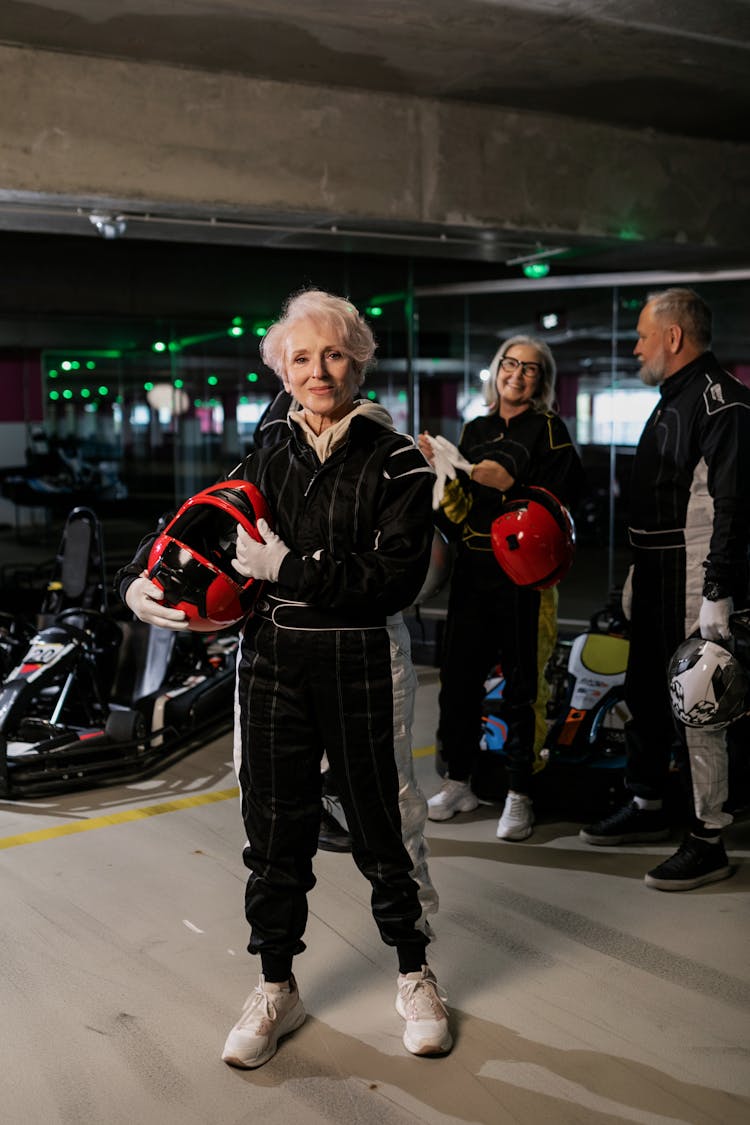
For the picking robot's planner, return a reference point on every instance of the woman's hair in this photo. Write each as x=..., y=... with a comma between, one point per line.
x=350, y=328
x=686, y=308
x=544, y=391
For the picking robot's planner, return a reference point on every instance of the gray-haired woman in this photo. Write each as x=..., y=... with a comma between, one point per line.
x=520, y=441
x=351, y=510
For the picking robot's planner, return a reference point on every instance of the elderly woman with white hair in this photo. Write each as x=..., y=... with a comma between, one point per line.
x=520, y=441
x=350, y=499
x=319, y=669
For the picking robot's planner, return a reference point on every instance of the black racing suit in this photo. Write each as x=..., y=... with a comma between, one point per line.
x=489, y=617
x=690, y=506
x=315, y=674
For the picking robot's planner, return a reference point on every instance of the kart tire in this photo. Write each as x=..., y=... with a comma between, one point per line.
x=125, y=726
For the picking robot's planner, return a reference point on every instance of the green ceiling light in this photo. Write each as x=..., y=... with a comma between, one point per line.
x=197, y=402
x=85, y=392
x=212, y=380
x=103, y=391
x=158, y=346
x=237, y=321
x=252, y=376
x=261, y=327
x=536, y=270
x=371, y=394
x=54, y=395
x=148, y=386
x=179, y=384
x=74, y=364
x=67, y=393
x=374, y=310
x=90, y=365
x=244, y=400
x=236, y=330
x=66, y=365
x=52, y=373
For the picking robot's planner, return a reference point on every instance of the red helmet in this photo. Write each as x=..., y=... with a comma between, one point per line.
x=533, y=539
x=192, y=558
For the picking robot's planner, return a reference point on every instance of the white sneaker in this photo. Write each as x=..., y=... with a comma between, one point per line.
x=517, y=821
x=453, y=797
x=421, y=1005
x=270, y=1011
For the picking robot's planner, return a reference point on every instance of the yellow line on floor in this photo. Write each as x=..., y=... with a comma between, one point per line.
x=137, y=814
x=118, y=818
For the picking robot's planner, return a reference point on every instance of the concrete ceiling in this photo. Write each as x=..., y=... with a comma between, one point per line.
x=672, y=66
x=678, y=66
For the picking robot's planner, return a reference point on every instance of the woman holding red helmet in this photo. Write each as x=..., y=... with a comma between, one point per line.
x=520, y=442
x=347, y=547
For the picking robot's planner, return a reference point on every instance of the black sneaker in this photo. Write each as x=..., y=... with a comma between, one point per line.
x=629, y=825
x=695, y=863
x=332, y=837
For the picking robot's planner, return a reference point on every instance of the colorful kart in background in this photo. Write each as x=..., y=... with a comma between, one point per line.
x=89, y=700
x=583, y=759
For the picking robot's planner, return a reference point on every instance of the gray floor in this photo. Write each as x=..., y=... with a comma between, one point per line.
x=578, y=994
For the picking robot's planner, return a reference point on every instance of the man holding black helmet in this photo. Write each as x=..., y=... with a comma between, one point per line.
x=690, y=506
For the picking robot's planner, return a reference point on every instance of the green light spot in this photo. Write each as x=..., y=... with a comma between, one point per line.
x=90, y=365
x=198, y=402
x=75, y=364
x=374, y=310
x=244, y=400
x=85, y=392
x=66, y=365
x=159, y=346
x=371, y=394
x=54, y=395
x=212, y=380
x=252, y=377
x=236, y=330
x=402, y=396
x=627, y=234
x=179, y=384
x=260, y=329
x=103, y=390
x=237, y=320
x=148, y=386
x=67, y=393
x=536, y=269
x=52, y=373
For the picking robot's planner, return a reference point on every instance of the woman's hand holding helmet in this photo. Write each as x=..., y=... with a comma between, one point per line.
x=259, y=560
x=145, y=599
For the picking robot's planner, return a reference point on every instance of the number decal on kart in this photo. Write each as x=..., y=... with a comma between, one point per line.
x=43, y=653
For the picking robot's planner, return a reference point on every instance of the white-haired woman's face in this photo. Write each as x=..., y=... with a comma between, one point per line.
x=518, y=375
x=319, y=373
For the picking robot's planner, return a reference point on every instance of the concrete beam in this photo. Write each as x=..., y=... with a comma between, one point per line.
x=96, y=128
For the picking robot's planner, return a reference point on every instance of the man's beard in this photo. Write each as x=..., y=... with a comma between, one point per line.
x=651, y=376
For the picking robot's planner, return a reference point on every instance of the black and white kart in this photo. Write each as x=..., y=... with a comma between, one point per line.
x=95, y=701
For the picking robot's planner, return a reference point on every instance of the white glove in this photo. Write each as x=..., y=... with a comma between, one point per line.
x=713, y=620
x=626, y=600
x=259, y=560
x=446, y=459
x=146, y=600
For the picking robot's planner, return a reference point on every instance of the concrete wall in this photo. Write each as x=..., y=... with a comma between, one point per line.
x=95, y=128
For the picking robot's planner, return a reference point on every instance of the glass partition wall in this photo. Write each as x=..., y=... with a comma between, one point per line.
x=171, y=406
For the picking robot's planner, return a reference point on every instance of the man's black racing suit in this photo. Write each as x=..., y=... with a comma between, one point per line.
x=689, y=511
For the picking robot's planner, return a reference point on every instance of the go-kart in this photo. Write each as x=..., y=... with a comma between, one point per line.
x=93, y=700
x=581, y=767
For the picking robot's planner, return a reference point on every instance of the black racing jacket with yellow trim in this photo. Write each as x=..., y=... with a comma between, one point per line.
x=536, y=449
x=691, y=473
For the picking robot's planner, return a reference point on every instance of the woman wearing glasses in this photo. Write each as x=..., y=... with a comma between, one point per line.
x=520, y=441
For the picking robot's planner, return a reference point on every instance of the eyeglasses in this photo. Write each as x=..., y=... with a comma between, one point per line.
x=528, y=370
